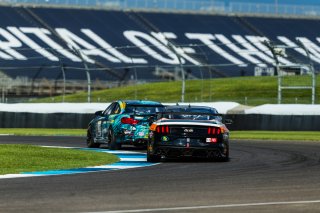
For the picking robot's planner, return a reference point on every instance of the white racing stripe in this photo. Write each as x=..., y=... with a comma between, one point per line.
x=213, y=206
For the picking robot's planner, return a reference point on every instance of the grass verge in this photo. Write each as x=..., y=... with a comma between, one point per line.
x=27, y=158
x=43, y=132
x=244, y=90
x=277, y=135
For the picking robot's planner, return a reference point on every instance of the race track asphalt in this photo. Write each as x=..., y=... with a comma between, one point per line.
x=262, y=176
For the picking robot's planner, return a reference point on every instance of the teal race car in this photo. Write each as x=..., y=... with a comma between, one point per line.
x=123, y=122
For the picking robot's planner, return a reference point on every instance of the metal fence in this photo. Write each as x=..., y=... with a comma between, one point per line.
x=181, y=5
x=274, y=9
x=204, y=89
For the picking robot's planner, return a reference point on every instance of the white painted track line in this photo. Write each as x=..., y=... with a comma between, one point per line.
x=213, y=206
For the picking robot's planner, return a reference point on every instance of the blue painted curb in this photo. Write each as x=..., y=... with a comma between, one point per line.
x=128, y=159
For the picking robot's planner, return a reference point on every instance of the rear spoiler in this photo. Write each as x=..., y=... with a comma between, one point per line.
x=226, y=121
x=188, y=113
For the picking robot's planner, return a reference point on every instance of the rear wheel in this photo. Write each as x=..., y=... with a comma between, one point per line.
x=225, y=154
x=112, y=142
x=90, y=141
x=152, y=158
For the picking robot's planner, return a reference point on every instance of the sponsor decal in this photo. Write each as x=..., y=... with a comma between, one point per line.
x=165, y=139
x=151, y=134
x=141, y=134
x=211, y=140
x=127, y=132
x=188, y=130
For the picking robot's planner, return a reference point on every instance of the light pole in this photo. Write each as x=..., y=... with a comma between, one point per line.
x=183, y=76
x=271, y=47
x=77, y=51
x=313, y=89
x=63, y=73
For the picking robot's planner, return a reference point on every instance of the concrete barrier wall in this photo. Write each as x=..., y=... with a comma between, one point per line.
x=39, y=120
x=240, y=121
x=275, y=122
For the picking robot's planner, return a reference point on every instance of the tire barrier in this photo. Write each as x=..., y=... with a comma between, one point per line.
x=240, y=121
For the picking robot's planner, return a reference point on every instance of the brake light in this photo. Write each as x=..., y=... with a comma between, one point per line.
x=162, y=129
x=214, y=130
x=129, y=121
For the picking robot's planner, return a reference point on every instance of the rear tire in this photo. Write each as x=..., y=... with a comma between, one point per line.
x=112, y=142
x=153, y=158
x=90, y=141
x=225, y=156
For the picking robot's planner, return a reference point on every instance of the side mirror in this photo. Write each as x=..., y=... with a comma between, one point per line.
x=151, y=119
x=98, y=113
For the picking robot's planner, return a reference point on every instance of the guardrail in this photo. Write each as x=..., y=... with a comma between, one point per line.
x=240, y=121
x=274, y=9
x=181, y=5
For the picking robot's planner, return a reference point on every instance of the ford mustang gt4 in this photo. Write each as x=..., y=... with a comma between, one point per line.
x=188, y=131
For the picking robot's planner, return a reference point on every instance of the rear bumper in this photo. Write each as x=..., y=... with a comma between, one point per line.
x=199, y=152
x=132, y=140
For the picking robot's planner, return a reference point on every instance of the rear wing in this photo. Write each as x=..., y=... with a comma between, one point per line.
x=175, y=115
x=188, y=113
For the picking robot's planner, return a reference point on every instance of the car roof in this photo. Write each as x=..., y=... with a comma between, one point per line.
x=142, y=102
x=186, y=107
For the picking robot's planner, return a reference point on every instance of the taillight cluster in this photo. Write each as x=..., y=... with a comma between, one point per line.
x=129, y=121
x=214, y=130
x=163, y=129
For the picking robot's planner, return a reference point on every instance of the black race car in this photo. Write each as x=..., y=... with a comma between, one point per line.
x=194, y=131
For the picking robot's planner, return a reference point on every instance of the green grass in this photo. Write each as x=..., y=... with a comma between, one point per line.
x=27, y=158
x=245, y=90
x=277, y=135
x=43, y=132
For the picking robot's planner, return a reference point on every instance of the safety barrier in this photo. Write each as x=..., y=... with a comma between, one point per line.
x=240, y=121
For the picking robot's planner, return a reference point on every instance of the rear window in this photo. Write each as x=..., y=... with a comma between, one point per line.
x=191, y=114
x=143, y=109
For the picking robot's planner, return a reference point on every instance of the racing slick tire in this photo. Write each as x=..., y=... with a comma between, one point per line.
x=90, y=142
x=153, y=158
x=225, y=155
x=112, y=142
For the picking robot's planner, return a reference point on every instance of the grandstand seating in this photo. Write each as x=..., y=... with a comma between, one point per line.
x=110, y=25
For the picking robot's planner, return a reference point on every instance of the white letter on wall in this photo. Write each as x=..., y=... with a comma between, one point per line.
x=136, y=38
x=293, y=45
x=112, y=50
x=73, y=41
x=207, y=39
x=42, y=34
x=247, y=52
x=9, y=44
x=32, y=44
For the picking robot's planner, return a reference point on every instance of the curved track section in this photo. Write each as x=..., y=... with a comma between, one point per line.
x=263, y=176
